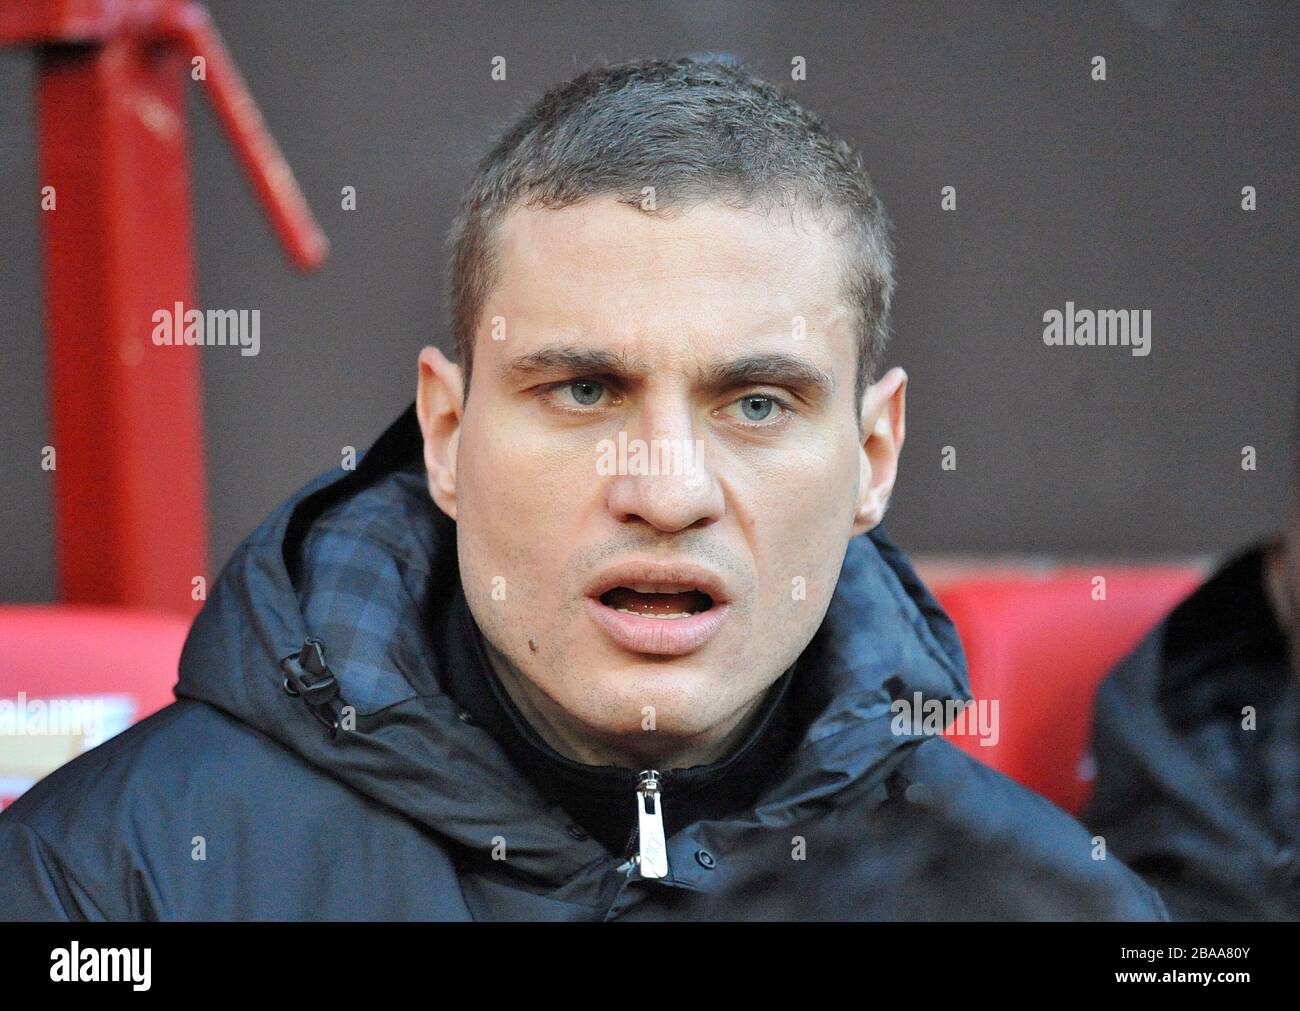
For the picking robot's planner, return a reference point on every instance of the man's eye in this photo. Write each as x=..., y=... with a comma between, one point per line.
x=757, y=409
x=585, y=392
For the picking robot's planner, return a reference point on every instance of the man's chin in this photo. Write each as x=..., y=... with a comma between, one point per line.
x=672, y=719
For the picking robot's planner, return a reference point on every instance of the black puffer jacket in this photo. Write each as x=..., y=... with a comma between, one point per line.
x=1197, y=744
x=237, y=801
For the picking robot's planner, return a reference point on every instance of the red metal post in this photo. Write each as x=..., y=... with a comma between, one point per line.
x=130, y=494
x=130, y=509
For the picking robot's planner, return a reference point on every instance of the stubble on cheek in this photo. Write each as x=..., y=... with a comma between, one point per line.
x=522, y=598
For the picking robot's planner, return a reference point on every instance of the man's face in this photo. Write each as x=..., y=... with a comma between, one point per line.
x=763, y=464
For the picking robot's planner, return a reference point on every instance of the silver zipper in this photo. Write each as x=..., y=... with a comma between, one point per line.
x=653, y=850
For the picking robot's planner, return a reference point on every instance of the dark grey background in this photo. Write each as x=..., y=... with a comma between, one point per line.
x=1122, y=194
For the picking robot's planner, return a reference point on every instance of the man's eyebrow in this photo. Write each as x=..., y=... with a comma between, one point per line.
x=774, y=367
x=575, y=359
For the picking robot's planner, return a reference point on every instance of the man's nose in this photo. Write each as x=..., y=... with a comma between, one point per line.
x=664, y=477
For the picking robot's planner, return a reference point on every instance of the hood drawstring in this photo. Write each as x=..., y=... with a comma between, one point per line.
x=307, y=677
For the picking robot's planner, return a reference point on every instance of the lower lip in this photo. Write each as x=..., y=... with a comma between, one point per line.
x=660, y=636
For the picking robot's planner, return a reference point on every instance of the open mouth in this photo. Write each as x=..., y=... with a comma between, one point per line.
x=647, y=603
x=664, y=608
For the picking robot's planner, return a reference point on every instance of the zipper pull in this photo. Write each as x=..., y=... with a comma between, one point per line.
x=653, y=855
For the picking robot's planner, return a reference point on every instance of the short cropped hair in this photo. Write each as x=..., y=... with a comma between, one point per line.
x=696, y=130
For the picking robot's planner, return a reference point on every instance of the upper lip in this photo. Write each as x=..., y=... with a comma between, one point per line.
x=665, y=577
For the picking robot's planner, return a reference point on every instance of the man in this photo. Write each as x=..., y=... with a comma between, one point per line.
x=605, y=626
x=1197, y=743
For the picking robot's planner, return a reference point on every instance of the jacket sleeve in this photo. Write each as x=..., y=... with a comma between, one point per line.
x=34, y=885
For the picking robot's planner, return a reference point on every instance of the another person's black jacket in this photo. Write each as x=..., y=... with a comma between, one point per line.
x=237, y=802
x=1197, y=742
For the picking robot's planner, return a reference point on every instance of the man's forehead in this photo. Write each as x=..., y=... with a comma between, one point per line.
x=723, y=259
x=603, y=283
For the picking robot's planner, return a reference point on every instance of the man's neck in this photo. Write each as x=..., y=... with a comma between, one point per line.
x=646, y=750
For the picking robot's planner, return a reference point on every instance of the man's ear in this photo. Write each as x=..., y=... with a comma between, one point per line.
x=883, y=427
x=440, y=406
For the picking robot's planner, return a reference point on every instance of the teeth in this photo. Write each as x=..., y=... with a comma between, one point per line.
x=659, y=588
x=679, y=614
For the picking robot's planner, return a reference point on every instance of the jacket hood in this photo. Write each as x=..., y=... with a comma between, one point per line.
x=297, y=577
